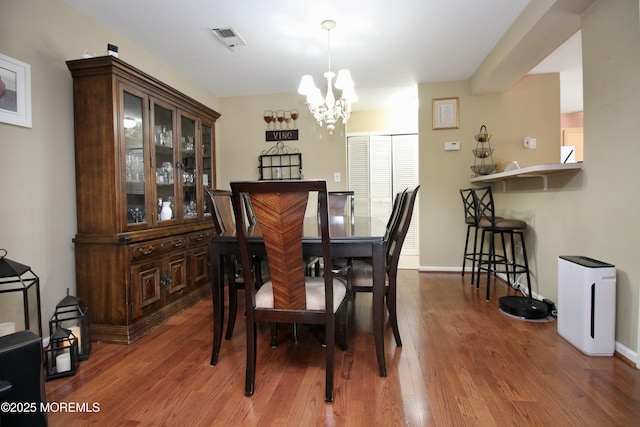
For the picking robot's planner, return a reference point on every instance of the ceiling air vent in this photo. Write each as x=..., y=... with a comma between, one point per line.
x=228, y=37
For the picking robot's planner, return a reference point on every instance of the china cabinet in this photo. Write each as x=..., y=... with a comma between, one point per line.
x=144, y=156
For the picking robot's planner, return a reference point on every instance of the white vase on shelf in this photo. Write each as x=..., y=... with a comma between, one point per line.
x=166, y=212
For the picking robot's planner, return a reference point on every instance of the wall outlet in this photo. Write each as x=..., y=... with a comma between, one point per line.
x=337, y=177
x=451, y=145
x=529, y=142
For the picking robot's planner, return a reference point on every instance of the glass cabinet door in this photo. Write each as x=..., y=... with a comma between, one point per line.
x=135, y=159
x=189, y=170
x=165, y=161
x=207, y=161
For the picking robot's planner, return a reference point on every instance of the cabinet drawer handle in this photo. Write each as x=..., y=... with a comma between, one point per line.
x=198, y=238
x=177, y=243
x=141, y=251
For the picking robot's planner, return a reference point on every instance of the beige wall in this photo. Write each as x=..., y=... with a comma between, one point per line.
x=586, y=213
x=396, y=121
x=595, y=212
x=531, y=108
x=242, y=140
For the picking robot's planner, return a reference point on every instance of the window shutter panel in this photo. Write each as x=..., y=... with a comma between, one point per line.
x=381, y=179
x=358, y=171
x=405, y=175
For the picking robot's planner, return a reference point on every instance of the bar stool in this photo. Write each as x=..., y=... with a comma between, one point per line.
x=492, y=225
x=471, y=220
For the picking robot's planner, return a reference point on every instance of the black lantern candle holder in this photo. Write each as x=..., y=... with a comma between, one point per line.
x=61, y=356
x=16, y=277
x=70, y=315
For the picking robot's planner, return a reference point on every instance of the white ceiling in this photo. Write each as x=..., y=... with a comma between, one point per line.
x=389, y=46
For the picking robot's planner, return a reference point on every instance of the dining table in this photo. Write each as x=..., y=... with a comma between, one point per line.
x=351, y=237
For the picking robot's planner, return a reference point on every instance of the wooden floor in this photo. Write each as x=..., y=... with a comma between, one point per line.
x=463, y=363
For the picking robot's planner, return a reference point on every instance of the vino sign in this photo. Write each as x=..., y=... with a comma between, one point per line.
x=280, y=126
x=282, y=135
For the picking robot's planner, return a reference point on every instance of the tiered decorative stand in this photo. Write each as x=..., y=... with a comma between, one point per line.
x=483, y=162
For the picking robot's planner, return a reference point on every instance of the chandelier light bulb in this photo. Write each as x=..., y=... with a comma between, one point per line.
x=329, y=109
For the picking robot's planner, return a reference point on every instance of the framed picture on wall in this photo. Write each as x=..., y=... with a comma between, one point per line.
x=15, y=92
x=446, y=113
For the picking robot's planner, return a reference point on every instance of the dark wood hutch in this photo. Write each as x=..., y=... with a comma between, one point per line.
x=144, y=155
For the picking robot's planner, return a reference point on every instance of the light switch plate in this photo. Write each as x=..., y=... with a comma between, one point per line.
x=337, y=177
x=452, y=145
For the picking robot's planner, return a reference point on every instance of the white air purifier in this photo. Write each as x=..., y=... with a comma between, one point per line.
x=587, y=304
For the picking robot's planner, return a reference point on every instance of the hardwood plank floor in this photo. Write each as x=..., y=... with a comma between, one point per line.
x=463, y=363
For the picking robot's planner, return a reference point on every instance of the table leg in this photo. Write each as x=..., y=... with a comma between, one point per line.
x=216, y=273
x=378, y=305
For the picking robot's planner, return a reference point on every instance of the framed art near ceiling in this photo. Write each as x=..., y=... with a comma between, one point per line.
x=15, y=92
x=446, y=113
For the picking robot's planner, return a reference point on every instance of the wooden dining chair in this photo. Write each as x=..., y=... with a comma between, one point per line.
x=341, y=204
x=221, y=208
x=362, y=270
x=251, y=216
x=290, y=296
x=392, y=224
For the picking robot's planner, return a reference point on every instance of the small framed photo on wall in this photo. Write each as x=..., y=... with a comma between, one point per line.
x=446, y=113
x=15, y=92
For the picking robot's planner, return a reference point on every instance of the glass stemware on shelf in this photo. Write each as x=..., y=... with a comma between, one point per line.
x=134, y=164
x=294, y=117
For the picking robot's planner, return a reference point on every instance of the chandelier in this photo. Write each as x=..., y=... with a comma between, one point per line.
x=328, y=109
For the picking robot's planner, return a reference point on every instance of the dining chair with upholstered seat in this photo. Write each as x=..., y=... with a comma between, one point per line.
x=220, y=205
x=290, y=296
x=251, y=216
x=392, y=223
x=341, y=206
x=342, y=203
x=362, y=270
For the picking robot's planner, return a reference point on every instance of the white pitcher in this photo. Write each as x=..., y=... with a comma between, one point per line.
x=166, y=212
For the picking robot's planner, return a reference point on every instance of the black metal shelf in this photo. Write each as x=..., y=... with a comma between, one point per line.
x=280, y=162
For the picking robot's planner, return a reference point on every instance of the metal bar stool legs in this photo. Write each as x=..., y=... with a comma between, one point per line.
x=508, y=266
x=471, y=220
x=490, y=255
x=492, y=224
x=470, y=256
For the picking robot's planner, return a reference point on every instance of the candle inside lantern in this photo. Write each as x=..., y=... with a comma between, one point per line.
x=7, y=328
x=75, y=330
x=63, y=362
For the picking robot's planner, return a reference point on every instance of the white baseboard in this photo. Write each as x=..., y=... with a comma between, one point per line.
x=627, y=353
x=442, y=269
